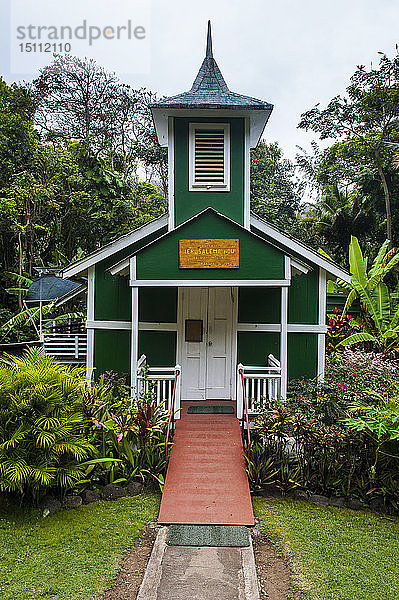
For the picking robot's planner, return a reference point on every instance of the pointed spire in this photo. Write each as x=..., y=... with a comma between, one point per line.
x=209, y=42
x=210, y=90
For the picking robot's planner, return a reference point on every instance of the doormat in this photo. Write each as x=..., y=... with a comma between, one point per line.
x=230, y=536
x=210, y=410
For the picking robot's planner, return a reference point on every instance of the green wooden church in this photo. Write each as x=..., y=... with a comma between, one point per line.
x=209, y=290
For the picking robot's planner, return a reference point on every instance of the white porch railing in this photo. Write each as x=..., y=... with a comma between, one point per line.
x=159, y=381
x=260, y=384
x=66, y=347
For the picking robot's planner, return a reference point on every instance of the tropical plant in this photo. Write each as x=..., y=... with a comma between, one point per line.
x=380, y=306
x=380, y=421
x=339, y=327
x=42, y=443
x=365, y=119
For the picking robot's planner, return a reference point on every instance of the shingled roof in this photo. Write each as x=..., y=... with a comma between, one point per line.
x=210, y=90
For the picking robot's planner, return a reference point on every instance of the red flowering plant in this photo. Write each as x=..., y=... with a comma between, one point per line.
x=339, y=327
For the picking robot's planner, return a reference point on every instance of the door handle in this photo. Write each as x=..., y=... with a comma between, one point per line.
x=209, y=343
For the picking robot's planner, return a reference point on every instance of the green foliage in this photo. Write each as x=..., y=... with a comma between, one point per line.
x=74, y=554
x=41, y=423
x=132, y=431
x=337, y=554
x=380, y=306
x=340, y=327
x=274, y=192
x=364, y=122
x=327, y=439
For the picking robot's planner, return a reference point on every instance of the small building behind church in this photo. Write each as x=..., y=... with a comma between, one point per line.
x=209, y=293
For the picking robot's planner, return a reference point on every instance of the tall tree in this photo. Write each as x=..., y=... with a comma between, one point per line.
x=367, y=117
x=78, y=99
x=275, y=194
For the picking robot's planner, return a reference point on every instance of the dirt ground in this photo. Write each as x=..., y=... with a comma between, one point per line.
x=128, y=580
x=274, y=573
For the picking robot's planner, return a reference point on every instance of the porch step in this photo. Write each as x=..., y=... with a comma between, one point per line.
x=206, y=482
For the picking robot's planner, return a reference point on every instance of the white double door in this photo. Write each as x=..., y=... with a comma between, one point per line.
x=207, y=342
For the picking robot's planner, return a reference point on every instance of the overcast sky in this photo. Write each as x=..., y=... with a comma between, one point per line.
x=290, y=53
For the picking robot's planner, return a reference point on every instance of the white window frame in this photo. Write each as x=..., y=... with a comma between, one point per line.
x=210, y=187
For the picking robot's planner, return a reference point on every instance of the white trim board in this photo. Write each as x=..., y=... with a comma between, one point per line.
x=90, y=315
x=210, y=282
x=134, y=338
x=171, y=173
x=276, y=327
x=257, y=119
x=321, y=340
x=247, y=180
x=81, y=266
x=300, y=248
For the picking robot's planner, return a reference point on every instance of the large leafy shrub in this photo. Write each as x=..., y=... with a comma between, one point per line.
x=42, y=441
x=131, y=431
x=339, y=437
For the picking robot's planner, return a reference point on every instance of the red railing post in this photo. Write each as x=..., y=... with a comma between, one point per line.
x=171, y=417
x=246, y=411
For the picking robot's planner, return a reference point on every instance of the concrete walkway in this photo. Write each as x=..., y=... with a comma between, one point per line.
x=199, y=573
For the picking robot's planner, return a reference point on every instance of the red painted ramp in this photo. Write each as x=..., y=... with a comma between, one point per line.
x=206, y=482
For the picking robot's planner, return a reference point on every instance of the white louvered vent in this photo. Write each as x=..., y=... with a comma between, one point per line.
x=209, y=156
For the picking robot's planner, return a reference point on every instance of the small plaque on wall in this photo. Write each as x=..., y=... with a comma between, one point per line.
x=209, y=254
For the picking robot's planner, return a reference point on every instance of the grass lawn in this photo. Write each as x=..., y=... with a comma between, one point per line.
x=70, y=555
x=341, y=554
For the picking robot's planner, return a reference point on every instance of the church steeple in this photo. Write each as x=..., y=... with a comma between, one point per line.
x=210, y=90
x=209, y=42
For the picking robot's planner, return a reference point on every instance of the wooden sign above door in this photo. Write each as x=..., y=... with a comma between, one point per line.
x=209, y=254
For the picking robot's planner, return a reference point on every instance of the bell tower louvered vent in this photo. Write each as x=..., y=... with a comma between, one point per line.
x=209, y=156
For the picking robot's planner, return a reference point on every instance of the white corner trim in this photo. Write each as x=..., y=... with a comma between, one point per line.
x=300, y=249
x=210, y=282
x=247, y=176
x=171, y=173
x=287, y=267
x=90, y=315
x=124, y=241
x=203, y=187
x=134, y=350
x=321, y=340
x=284, y=341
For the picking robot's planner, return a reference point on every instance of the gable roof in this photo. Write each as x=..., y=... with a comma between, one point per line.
x=122, y=266
x=210, y=90
x=80, y=266
x=299, y=248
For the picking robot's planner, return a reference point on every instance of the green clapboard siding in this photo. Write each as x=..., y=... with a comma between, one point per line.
x=112, y=296
x=112, y=292
x=258, y=260
x=111, y=351
x=158, y=305
x=259, y=305
x=188, y=204
x=253, y=348
x=159, y=347
x=303, y=298
x=302, y=355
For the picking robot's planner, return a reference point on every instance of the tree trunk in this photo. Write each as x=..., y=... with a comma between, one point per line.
x=387, y=198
